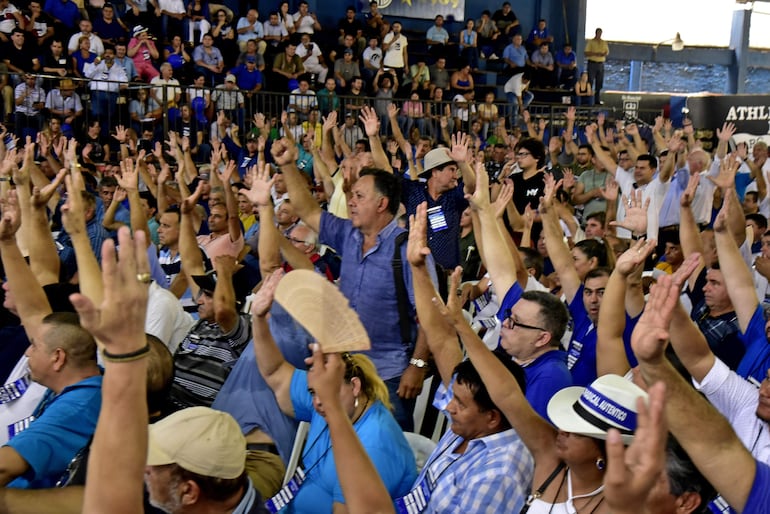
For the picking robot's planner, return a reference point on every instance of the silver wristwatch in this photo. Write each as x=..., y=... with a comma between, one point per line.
x=418, y=363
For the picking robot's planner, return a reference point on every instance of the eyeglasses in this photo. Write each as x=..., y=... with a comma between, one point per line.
x=523, y=154
x=512, y=323
x=295, y=240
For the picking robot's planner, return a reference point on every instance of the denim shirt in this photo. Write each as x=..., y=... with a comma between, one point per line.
x=367, y=282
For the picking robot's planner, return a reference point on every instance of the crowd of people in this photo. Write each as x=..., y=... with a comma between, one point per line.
x=159, y=65
x=142, y=271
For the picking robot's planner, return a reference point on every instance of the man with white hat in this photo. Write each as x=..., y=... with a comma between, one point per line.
x=445, y=195
x=196, y=462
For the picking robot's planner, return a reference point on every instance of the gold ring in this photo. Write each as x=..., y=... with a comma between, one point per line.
x=144, y=278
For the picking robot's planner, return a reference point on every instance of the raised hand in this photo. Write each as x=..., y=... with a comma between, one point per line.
x=460, y=145
x=479, y=200
x=227, y=173
x=41, y=196
x=632, y=472
x=119, y=321
x=392, y=110
x=330, y=121
x=568, y=180
x=283, y=152
x=549, y=192
x=121, y=133
x=636, y=213
x=11, y=218
x=263, y=299
x=601, y=118
x=504, y=197
x=417, y=244
x=650, y=336
x=261, y=185
x=189, y=202
x=370, y=120
x=686, y=270
x=632, y=129
x=611, y=190
x=634, y=256
x=453, y=309
x=325, y=375
x=129, y=175
x=73, y=215
x=570, y=114
x=727, y=131
x=689, y=193
x=727, y=170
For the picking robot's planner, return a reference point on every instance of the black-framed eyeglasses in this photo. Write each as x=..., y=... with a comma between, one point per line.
x=523, y=154
x=512, y=323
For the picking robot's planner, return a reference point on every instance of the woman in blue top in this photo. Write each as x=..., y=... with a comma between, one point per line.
x=364, y=397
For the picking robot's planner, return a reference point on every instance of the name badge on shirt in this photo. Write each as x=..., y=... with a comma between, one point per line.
x=287, y=492
x=437, y=219
x=14, y=390
x=575, y=349
x=63, y=61
x=19, y=426
x=417, y=499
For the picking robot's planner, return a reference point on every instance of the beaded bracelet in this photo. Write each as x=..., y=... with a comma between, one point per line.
x=126, y=357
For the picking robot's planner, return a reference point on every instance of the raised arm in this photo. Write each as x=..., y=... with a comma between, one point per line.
x=604, y=157
x=441, y=337
x=190, y=253
x=273, y=367
x=285, y=156
x=362, y=486
x=711, y=443
x=499, y=262
x=537, y=434
x=689, y=235
x=725, y=180
x=610, y=350
x=558, y=251
x=43, y=258
x=688, y=341
x=129, y=182
x=119, y=449
x=738, y=279
x=461, y=154
x=31, y=303
x=225, y=312
x=233, y=222
x=371, y=124
x=74, y=222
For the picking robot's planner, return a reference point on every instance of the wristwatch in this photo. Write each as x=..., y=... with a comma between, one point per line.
x=418, y=363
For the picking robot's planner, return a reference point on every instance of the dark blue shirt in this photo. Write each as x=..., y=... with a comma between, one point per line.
x=756, y=360
x=444, y=243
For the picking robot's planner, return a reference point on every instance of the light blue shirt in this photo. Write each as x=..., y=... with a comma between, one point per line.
x=438, y=34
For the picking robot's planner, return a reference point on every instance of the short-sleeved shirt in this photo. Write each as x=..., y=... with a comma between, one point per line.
x=756, y=360
x=592, y=179
x=255, y=33
x=394, y=57
x=721, y=332
x=380, y=436
x=758, y=501
x=527, y=191
x=222, y=245
x=204, y=359
x=548, y=373
x=597, y=46
x=443, y=234
x=581, y=352
x=63, y=424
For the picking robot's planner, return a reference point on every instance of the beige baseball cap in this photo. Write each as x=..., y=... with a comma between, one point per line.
x=199, y=439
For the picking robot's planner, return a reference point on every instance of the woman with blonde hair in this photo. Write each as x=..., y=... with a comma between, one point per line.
x=364, y=398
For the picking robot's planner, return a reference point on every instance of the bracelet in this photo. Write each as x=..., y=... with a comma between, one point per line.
x=126, y=357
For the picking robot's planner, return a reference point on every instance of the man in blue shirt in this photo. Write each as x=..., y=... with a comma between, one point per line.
x=63, y=358
x=367, y=243
x=446, y=200
x=437, y=38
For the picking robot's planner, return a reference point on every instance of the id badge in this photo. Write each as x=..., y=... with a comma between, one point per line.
x=437, y=219
x=287, y=492
x=416, y=501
